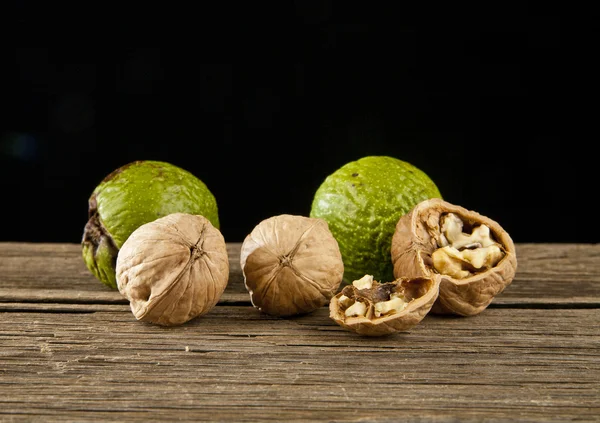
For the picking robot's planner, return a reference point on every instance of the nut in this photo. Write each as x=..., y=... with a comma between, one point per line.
x=291, y=265
x=370, y=308
x=173, y=269
x=137, y=193
x=475, y=257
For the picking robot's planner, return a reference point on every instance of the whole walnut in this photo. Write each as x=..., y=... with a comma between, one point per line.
x=472, y=253
x=173, y=269
x=291, y=264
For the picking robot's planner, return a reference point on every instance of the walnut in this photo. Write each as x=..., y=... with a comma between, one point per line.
x=173, y=269
x=370, y=308
x=474, y=256
x=291, y=265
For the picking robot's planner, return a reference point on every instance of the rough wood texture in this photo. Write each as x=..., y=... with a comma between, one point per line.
x=72, y=351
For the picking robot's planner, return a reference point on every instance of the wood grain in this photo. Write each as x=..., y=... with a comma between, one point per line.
x=546, y=274
x=234, y=364
x=70, y=350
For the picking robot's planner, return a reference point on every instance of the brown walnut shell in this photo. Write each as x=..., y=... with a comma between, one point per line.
x=291, y=265
x=417, y=236
x=173, y=269
x=420, y=292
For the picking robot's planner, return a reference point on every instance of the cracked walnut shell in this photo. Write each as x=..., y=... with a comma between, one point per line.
x=291, y=264
x=370, y=308
x=173, y=269
x=474, y=256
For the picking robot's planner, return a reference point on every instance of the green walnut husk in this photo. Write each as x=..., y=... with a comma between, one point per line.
x=132, y=195
x=362, y=202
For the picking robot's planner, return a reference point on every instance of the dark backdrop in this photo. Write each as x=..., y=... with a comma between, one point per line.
x=472, y=97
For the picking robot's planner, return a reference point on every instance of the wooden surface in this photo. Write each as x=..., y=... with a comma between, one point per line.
x=71, y=350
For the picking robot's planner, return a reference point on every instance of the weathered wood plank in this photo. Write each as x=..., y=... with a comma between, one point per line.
x=72, y=351
x=547, y=273
x=235, y=364
x=31, y=272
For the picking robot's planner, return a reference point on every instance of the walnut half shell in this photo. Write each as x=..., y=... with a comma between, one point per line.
x=475, y=257
x=370, y=308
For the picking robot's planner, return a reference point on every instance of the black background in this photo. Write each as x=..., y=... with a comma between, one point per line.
x=263, y=101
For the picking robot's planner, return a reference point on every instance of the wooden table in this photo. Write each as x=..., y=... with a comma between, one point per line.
x=71, y=350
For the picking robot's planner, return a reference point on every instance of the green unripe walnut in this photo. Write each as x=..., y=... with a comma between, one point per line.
x=132, y=195
x=362, y=201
